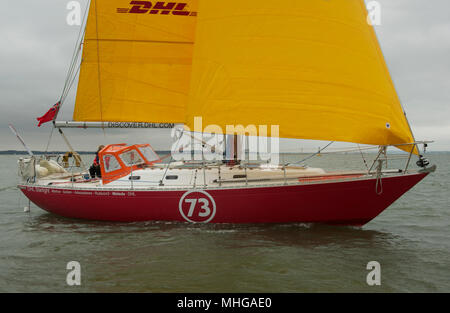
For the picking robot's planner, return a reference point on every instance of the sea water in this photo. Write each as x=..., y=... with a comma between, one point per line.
x=410, y=241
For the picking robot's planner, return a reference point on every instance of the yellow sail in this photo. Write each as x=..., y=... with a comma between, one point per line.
x=312, y=67
x=137, y=59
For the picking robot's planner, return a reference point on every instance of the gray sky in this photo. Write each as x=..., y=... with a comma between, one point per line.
x=37, y=45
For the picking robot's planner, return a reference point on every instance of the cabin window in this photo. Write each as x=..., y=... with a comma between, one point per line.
x=110, y=163
x=171, y=177
x=239, y=176
x=149, y=154
x=131, y=158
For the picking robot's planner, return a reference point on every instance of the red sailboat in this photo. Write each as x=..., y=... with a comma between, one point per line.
x=309, y=70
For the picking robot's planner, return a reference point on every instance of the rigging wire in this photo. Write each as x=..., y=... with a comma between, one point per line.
x=71, y=83
x=70, y=77
x=344, y=150
x=73, y=62
x=49, y=140
x=161, y=182
x=313, y=155
x=75, y=56
x=364, y=159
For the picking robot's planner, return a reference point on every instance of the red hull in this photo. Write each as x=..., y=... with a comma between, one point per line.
x=352, y=202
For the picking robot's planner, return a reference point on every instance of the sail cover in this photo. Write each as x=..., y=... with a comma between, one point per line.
x=136, y=63
x=312, y=67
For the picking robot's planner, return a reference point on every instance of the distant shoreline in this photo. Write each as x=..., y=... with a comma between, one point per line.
x=19, y=152
x=163, y=152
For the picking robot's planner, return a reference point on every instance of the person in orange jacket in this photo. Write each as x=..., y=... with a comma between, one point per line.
x=95, y=170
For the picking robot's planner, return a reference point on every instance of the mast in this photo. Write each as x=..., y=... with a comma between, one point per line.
x=232, y=149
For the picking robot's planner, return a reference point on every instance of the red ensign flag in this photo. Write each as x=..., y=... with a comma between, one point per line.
x=47, y=117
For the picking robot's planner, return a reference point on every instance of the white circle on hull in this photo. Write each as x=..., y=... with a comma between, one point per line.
x=200, y=206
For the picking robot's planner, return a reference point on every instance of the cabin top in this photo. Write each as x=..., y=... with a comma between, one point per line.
x=119, y=160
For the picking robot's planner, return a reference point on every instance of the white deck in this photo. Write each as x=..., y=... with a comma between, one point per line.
x=187, y=178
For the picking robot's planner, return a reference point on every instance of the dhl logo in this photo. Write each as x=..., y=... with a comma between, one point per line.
x=164, y=8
